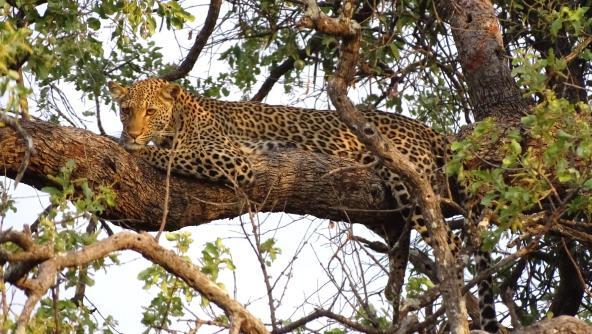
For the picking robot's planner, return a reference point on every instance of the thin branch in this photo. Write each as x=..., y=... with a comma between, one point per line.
x=276, y=73
x=449, y=267
x=198, y=45
x=167, y=186
x=578, y=49
x=319, y=313
x=144, y=244
x=256, y=246
x=22, y=97
x=98, y=114
x=377, y=246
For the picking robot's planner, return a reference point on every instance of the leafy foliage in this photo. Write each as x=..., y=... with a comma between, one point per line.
x=268, y=248
x=174, y=296
x=215, y=256
x=73, y=203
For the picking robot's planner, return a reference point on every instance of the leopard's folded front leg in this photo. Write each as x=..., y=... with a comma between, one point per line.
x=210, y=162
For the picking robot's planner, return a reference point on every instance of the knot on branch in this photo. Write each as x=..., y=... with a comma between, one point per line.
x=342, y=26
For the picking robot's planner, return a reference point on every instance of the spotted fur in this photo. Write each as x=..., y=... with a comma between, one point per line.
x=215, y=138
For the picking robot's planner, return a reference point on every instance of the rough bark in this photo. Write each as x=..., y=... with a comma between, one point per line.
x=559, y=325
x=477, y=36
x=293, y=182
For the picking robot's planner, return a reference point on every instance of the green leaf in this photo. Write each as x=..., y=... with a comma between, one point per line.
x=488, y=199
x=458, y=146
x=52, y=191
x=490, y=239
x=93, y=23
x=516, y=148
x=268, y=247
x=394, y=48
x=561, y=134
x=299, y=64
x=565, y=177
x=12, y=74
x=335, y=331
x=584, y=149
x=528, y=121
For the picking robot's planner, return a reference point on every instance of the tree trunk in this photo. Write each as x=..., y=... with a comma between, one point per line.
x=478, y=39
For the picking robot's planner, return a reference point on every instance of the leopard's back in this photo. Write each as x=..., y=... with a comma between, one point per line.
x=324, y=132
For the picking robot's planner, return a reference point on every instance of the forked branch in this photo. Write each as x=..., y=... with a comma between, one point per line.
x=449, y=268
x=142, y=243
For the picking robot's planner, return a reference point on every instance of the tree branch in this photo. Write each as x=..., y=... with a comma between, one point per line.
x=200, y=41
x=314, y=45
x=449, y=268
x=144, y=244
x=477, y=36
x=29, y=148
x=293, y=181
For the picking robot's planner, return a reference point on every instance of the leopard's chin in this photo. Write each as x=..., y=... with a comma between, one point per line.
x=131, y=146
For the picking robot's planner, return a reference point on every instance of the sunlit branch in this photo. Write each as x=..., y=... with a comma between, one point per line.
x=144, y=244
x=200, y=41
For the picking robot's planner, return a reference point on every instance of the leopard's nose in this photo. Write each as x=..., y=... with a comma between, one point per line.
x=134, y=133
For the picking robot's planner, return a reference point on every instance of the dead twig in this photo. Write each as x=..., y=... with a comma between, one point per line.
x=29, y=148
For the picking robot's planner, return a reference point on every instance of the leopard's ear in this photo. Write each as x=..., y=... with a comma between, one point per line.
x=117, y=91
x=170, y=91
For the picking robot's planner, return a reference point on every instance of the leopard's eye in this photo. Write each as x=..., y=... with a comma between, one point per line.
x=125, y=111
x=150, y=111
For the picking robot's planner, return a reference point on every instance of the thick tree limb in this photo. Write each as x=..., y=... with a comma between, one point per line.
x=200, y=41
x=562, y=324
x=477, y=36
x=293, y=181
x=29, y=149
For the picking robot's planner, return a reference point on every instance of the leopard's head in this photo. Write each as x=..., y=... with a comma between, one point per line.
x=146, y=109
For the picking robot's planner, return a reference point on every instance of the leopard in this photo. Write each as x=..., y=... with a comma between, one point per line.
x=214, y=140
